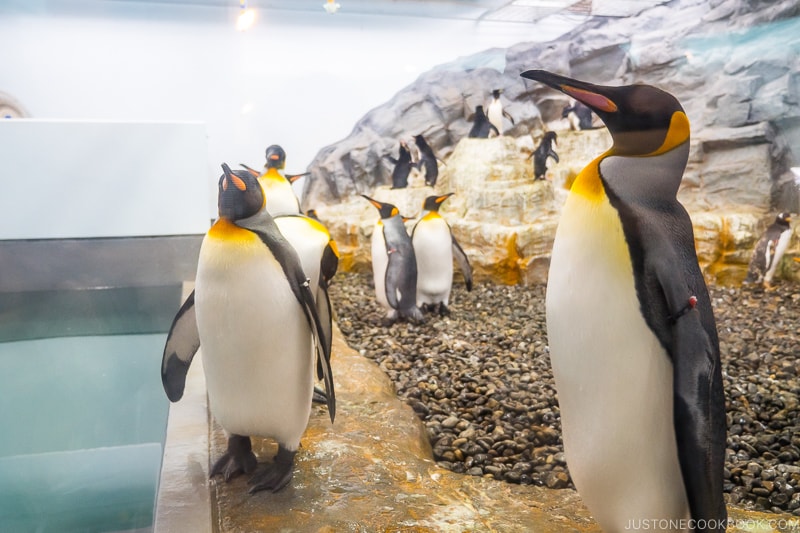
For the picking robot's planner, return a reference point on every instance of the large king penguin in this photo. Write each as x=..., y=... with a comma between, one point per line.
x=435, y=246
x=394, y=266
x=633, y=340
x=253, y=312
x=769, y=251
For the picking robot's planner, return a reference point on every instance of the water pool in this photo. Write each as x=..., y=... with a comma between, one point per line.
x=83, y=413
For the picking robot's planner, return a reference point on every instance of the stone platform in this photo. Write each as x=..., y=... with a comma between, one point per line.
x=370, y=471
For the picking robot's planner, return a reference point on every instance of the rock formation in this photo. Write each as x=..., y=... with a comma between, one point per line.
x=732, y=64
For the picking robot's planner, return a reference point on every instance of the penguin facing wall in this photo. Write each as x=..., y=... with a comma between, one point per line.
x=542, y=153
x=253, y=312
x=769, y=251
x=481, y=127
x=633, y=340
x=427, y=159
x=402, y=166
x=435, y=246
x=394, y=265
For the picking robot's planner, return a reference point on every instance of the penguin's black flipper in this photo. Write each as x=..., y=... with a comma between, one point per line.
x=553, y=154
x=463, y=262
x=182, y=343
x=290, y=263
x=326, y=320
x=493, y=128
x=509, y=117
x=698, y=398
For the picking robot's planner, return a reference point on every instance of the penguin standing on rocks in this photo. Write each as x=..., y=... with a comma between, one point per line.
x=769, y=251
x=481, y=127
x=495, y=112
x=402, y=166
x=542, y=153
x=435, y=247
x=254, y=314
x=428, y=159
x=633, y=340
x=394, y=266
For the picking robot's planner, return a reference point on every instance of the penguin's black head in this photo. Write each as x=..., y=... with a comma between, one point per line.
x=496, y=93
x=276, y=157
x=479, y=111
x=385, y=210
x=641, y=118
x=419, y=140
x=240, y=194
x=432, y=203
x=550, y=136
x=783, y=219
x=312, y=213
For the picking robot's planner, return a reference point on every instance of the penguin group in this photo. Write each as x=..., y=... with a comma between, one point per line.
x=402, y=166
x=414, y=272
x=261, y=313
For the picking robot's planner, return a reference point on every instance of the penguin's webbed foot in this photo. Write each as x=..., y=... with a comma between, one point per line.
x=319, y=396
x=277, y=475
x=239, y=459
x=443, y=309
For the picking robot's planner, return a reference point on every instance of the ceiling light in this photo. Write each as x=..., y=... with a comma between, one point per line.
x=331, y=7
x=246, y=18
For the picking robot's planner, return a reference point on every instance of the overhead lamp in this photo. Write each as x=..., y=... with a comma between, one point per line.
x=331, y=7
x=246, y=18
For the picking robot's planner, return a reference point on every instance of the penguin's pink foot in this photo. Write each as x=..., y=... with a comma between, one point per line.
x=277, y=475
x=239, y=459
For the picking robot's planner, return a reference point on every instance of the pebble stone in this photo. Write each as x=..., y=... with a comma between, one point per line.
x=480, y=380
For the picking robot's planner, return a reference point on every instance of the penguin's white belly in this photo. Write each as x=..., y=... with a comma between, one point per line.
x=380, y=260
x=495, y=115
x=433, y=247
x=614, y=380
x=280, y=198
x=256, y=343
x=780, y=249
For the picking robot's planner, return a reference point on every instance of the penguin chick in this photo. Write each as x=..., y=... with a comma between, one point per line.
x=254, y=314
x=428, y=159
x=633, y=340
x=394, y=266
x=402, y=166
x=495, y=112
x=769, y=251
x=435, y=246
x=542, y=152
x=481, y=127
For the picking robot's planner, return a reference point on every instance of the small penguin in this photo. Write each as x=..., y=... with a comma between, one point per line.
x=281, y=199
x=428, y=159
x=579, y=115
x=481, y=127
x=435, y=246
x=253, y=312
x=769, y=251
x=394, y=266
x=402, y=166
x=633, y=340
x=495, y=112
x=542, y=152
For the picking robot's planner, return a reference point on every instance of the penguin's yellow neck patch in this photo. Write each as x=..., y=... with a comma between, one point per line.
x=224, y=229
x=587, y=183
x=431, y=215
x=677, y=134
x=272, y=174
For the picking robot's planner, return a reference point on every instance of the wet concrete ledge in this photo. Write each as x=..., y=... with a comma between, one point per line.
x=372, y=470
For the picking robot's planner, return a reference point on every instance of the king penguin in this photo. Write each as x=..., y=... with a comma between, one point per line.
x=495, y=112
x=633, y=340
x=435, y=246
x=281, y=198
x=254, y=314
x=394, y=266
x=769, y=251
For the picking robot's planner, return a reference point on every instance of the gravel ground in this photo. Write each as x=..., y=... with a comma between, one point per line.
x=481, y=382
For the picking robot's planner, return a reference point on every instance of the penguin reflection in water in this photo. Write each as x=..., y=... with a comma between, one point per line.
x=435, y=247
x=769, y=251
x=394, y=265
x=253, y=311
x=633, y=340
